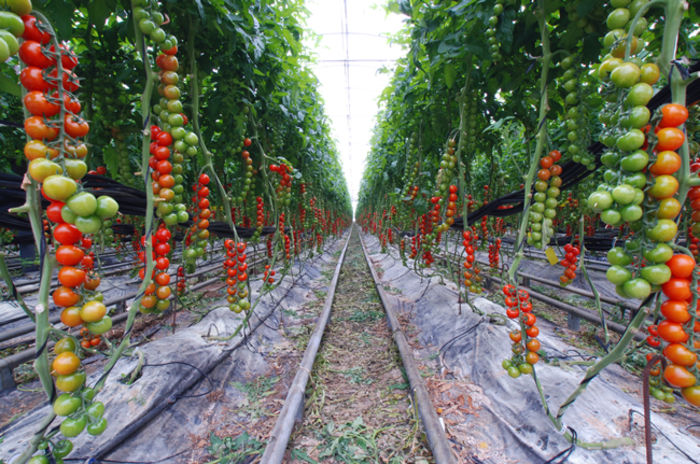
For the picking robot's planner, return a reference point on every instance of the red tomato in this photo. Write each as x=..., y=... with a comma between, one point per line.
x=32, y=78
x=677, y=289
x=31, y=53
x=66, y=234
x=70, y=276
x=679, y=354
x=555, y=154
x=65, y=297
x=675, y=311
x=672, y=332
x=69, y=255
x=678, y=376
x=35, y=30
x=681, y=265
x=53, y=212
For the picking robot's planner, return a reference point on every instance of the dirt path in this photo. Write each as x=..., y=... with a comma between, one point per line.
x=358, y=408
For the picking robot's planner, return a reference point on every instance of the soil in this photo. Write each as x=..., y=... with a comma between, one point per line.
x=358, y=406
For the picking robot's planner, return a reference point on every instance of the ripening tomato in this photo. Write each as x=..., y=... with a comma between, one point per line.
x=515, y=335
x=70, y=276
x=65, y=363
x=65, y=296
x=667, y=162
x=678, y=376
x=163, y=292
x=681, y=265
x=532, y=357
x=36, y=128
x=93, y=311
x=71, y=316
x=669, y=138
x=162, y=278
x=91, y=282
x=533, y=345
x=673, y=115
x=692, y=395
x=532, y=331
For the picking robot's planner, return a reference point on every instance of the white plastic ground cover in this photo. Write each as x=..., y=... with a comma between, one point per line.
x=511, y=425
x=126, y=405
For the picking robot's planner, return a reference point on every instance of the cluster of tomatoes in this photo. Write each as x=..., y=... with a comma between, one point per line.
x=446, y=172
x=471, y=205
x=494, y=47
x=471, y=272
x=576, y=84
x=167, y=178
x=236, y=276
x=76, y=404
x=494, y=253
x=284, y=188
x=149, y=21
x=655, y=216
x=198, y=233
x=415, y=244
x=451, y=209
x=570, y=262
x=260, y=218
x=525, y=344
x=247, y=183
x=158, y=292
x=484, y=228
x=676, y=329
x=544, y=205
x=268, y=275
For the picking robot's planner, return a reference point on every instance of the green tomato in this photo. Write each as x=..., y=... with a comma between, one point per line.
x=659, y=254
x=68, y=215
x=610, y=176
x=170, y=219
x=176, y=120
x=178, y=133
x=630, y=141
x=618, y=275
x=637, y=288
x=72, y=427
x=88, y=393
x=513, y=371
x=538, y=207
x=617, y=256
x=618, y=18
x=639, y=94
x=553, y=192
x=75, y=168
x=506, y=363
x=59, y=188
x=10, y=40
x=11, y=22
x=107, y=207
x=613, y=36
x=625, y=75
x=611, y=217
x=88, y=225
x=631, y=213
x=95, y=411
x=551, y=203
x=658, y=274
x=599, y=201
x=541, y=186
x=609, y=159
x=633, y=246
x=635, y=161
x=664, y=231
x=550, y=213
x=101, y=326
x=182, y=216
x=62, y=448
x=525, y=368
x=158, y=35
x=147, y=26
x=83, y=204
x=163, y=209
x=637, y=118
x=637, y=179
x=66, y=404
x=623, y=194
x=38, y=459
x=191, y=139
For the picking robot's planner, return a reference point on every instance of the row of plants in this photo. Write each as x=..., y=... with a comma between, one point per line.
x=497, y=97
x=207, y=107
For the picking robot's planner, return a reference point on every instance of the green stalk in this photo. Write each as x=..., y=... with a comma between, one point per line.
x=194, y=86
x=148, y=226
x=596, y=295
x=673, y=16
x=615, y=355
x=539, y=146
